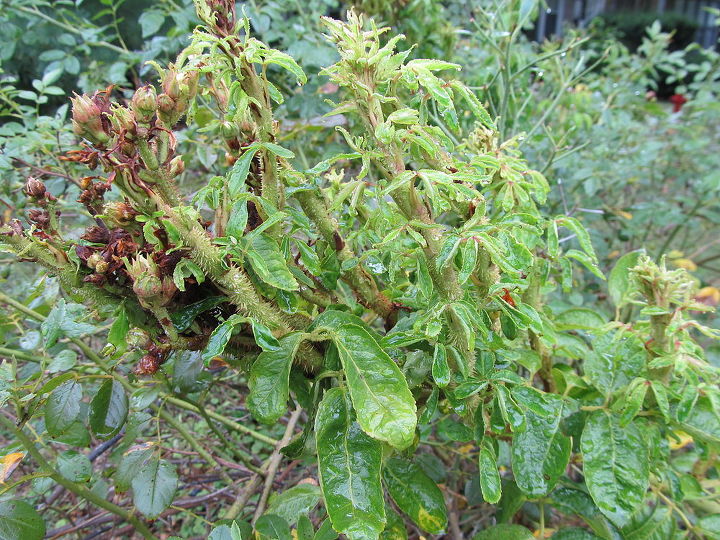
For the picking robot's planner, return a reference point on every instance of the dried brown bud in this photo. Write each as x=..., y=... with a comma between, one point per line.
x=96, y=235
x=41, y=218
x=147, y=365
x=35, y=188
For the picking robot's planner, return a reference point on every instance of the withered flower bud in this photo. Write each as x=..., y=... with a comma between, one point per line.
x=120, y=213
x=95, y=279
x=35, y=188
x=96, y=235
x=176, y=167
x=145, y=103
x=147, y=365
x=40, y=217
x=87, y=121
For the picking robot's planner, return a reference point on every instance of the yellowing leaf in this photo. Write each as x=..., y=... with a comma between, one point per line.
x=684, y=440
x=709, y=296
x=9, y=464
x=687, y=264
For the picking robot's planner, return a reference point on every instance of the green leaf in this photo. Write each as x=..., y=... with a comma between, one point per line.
x=150, y=22
x=380, y=395
x=540, y=453
x=238, y=174
x=20, y=521
x=129, y=467
x=447, y=251
x=269, y=263
x=553, y=243
x=574, y=533
x=119, y=330
x=581, y=233
x=154, y=487
x=489, y=476
x=294, y=502
x=349, y=468
x=278, y=150
x=619, y=282
x=615, y=463
x=423, y=280
x=416, y=494
x=504, y=532
x=271, y=526
x=269, y=380
x=395, y=527
x=614, y=361
x=587, y=261
x=220, y=337
x=287, y=62
x=469, y=253
x=62, y=407
x=108, y=409
x=702, y=422
x=184, y=317
x=440, y=368
x=74, y=466
x=238, y=219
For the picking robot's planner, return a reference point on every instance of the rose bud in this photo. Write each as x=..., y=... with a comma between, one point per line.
x=144, y=103
x=87, y=121
x=176, y=167
x=123, y=120
x=94, y=259
x=166, y=109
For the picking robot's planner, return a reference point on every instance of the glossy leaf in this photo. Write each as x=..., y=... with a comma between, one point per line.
x=380, y=395
x=490, y=484
x=269, y=380
x=416, y=494
x=504, y=532
x=440, y=368
x=615, y=465
x=349, y=468
x=269, y=263
x=294, y=502
x=540, y=453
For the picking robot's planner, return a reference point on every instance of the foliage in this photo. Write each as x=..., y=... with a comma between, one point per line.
x=398, y=303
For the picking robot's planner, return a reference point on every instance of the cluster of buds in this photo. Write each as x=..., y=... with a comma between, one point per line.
x=92, y=193
x=152, y=289
x=179, y=88
x=107, y=253
x=37, y=192
x=219, y=15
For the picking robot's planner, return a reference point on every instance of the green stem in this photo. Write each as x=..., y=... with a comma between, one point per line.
x=80, y=491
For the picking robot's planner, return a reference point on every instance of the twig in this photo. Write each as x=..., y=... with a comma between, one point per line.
x=274, y=463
